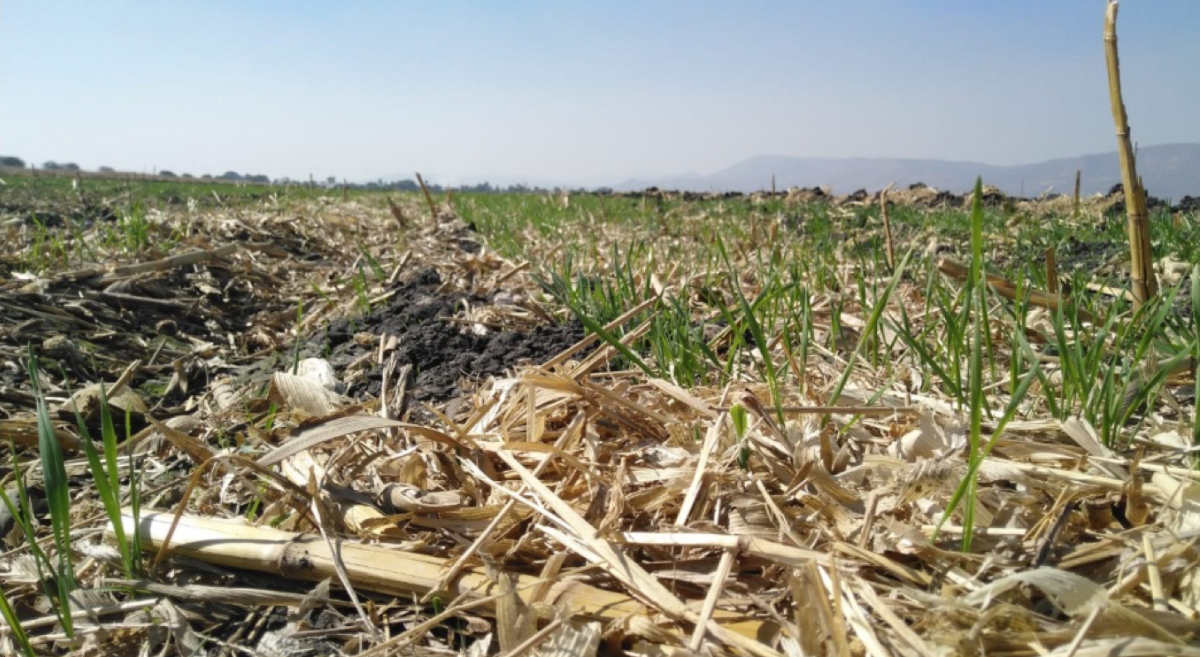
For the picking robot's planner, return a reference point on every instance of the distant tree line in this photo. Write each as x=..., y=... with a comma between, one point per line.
x=13, y=161
x=234, y=176
x=481, y=188
x=329, y=182
x=51, y=165
x=487, y=188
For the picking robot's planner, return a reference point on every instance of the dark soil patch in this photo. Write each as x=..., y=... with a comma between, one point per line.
x=469, y=245
x=58, y=215
x=860, y=195
x=1117, y=209
x=443, y=354
x=1076, y=254
x=946, y=199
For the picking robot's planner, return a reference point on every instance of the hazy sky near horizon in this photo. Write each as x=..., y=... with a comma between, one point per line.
x=579, y=93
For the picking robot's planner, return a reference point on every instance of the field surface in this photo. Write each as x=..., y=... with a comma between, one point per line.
x=255, y=420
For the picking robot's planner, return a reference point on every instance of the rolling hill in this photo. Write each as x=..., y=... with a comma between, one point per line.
x=1169, y=171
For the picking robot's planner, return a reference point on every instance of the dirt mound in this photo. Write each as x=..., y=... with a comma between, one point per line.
x=1113, y=202
x=443, y=353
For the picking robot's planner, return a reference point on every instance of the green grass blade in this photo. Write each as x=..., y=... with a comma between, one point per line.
x=612, y=340
x=756, y=330
x=975, y=372
x=14, y=625
x=872, y=321
x=964, y=486
x=1196, y=346
x=58, y=498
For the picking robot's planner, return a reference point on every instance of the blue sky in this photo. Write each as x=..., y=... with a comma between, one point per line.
x=579, y=93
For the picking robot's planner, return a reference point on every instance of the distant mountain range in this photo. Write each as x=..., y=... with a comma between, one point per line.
x=1169, y=171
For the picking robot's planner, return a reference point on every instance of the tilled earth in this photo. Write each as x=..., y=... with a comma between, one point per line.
x=272, y=283
x=232, y=313
x=444, y=354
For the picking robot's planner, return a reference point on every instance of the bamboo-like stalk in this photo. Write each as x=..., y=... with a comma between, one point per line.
x=1141, y=271
x=428, y=197
x=1074, y=211
x=1008, y=289
x=1051, y=271
x=397, y=213
x=387, y=570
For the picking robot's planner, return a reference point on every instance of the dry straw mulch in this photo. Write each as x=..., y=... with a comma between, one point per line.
x=570, y=509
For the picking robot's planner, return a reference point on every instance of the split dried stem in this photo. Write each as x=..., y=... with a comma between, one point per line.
x=1141, y=270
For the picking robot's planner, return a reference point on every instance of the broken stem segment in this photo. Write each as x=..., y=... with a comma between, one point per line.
x=428, y=197
x=1141, y=271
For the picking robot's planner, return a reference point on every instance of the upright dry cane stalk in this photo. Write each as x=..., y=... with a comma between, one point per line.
x=1051, y=271
x=1074, y=208
x=428, y=198
x=1141, y=270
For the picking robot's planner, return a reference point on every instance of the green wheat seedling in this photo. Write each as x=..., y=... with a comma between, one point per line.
x=967, y=487
x=977, y=292
x=105, y=474
x=679, y=346
x=325, y=297
x=612, y=340
x=135, y=229
x=737, y=414
x=376, y=269
x=22, y=512
x=48, y=249
x=14, y=625
x=1107, y=372
x=1196, y=347
x=83, y=249
x=750, y=316
x=872, y=322
x=597, y=302
x=56, y=573
x=798, y=353
x=360, y=290
x=977, y=297
x=923, y=346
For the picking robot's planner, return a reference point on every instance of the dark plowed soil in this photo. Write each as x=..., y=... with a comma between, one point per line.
x=58, y=215
x=443, y=354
